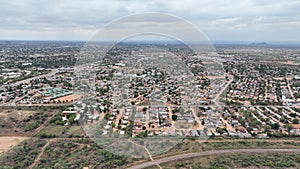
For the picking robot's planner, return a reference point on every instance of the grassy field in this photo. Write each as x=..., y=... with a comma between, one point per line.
x=58, y=131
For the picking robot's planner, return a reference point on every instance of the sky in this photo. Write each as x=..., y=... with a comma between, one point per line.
x=219, y=20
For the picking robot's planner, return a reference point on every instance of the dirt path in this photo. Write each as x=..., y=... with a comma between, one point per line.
x=290, y=90
x=266, y=89
x=37, y=130
x=217, y=97
x=228, y=126
x=149, y=154
x=200, y=126
x=206, y=153
x=37, y=159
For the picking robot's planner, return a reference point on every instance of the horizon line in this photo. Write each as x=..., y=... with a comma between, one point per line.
x=217, y=42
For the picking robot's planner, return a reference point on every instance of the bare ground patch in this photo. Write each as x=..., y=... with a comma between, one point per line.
x=7, y=143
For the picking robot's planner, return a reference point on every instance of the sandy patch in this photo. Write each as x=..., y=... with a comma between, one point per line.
x=208, y=62
x=247, y=103
x=282, y=78
x=288, y=62
x=68, y=98
x=7, y=143
x=296, y=126
x=215, y=77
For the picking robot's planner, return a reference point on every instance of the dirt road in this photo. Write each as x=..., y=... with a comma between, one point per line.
x=217, y=97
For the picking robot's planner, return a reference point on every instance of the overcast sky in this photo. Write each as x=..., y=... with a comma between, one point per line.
x=233, y=20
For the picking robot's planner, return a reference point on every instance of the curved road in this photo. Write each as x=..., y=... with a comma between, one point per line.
x=205, y=153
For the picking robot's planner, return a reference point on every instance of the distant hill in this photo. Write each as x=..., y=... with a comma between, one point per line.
x=260, y=44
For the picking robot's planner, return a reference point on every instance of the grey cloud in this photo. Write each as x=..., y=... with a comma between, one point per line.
x=217, y=18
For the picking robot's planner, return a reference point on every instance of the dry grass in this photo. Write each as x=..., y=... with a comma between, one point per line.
x=7, y=143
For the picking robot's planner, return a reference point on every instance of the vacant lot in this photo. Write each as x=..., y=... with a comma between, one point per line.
x=59, y=153
x=78, y=154
x=22, y=155
x=20, y=121
x=60, y=131
x=7, y=143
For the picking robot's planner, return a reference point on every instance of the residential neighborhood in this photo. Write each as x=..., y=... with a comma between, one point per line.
x=158, y=92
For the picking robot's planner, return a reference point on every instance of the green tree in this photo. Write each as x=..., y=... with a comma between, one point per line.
x=296, y=121
x=174, y=117
x=275, y=126
x=71, y=118
x=288, y=127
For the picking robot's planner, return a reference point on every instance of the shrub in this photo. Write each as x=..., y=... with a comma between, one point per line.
x=31, y=126
x=296, y=121
x=174, y=117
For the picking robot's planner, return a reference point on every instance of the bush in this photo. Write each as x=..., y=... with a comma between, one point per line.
x=275, y=126
x=45, y=135
x=296, y=121
x=31, y=126
x=26, y=119
x=174, y=117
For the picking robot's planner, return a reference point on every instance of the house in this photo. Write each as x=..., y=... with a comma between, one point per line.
x=255, y=131
x=241, y=129
x=66, y=113
x=104, y=132
x=262, y=135
x=194, y=133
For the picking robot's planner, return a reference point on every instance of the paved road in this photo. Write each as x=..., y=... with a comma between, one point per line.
x=206, y=153
x=36, y=105
x=50, y=74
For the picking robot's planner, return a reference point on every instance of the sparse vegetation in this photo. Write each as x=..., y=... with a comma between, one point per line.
x=64, y=154
x=22, y=155
x=272, y=160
